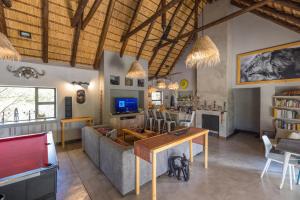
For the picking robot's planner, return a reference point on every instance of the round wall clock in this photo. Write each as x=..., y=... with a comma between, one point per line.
x=184, y=84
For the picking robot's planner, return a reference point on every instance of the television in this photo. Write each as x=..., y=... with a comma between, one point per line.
x=126, y=105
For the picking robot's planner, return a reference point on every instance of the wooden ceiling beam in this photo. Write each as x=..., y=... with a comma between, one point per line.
x=173, y=45
x=136, y=11
x=163, y=16
x=150, y=19
x=76, y=37
x=270, y=18
x=274, y=12
x=79, y=11
x=180, y=53
x=165, y=33
x=91, y=13
x=144, y=41
x=290, y=4
x=3, y=28
x=104, y=31
x=219, y=21
x=45, y=29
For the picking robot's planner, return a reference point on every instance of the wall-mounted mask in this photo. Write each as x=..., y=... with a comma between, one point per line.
x=80, y=96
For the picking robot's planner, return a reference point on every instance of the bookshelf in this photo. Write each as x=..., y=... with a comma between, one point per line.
x=286, y=112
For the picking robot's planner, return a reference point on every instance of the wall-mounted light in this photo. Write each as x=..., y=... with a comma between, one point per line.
x=82, y=84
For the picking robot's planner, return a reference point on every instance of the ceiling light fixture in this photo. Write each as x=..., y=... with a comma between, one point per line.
x=173, y=86
x=161, y=84
x=204, y=52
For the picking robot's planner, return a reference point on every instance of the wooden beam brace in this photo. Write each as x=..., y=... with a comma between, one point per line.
x=104, y=31
x=219, y=21
x=173, y=45
x=76, y=37
x=165, y=33
x=180, y=53
x=268, y=17
x=290, y=4
x=136, y=11
x=45, y=29
x=144, y=41
x=163, y=16
x=78, y=14
x=150, y=19
x=91, y=13
x=3, y=28
x=270, y=11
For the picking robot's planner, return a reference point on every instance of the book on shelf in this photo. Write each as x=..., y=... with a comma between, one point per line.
x=287, y=114
x=288, y=103
x=287, y=125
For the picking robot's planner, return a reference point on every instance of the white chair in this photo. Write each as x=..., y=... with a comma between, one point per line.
x=279, y=158
x=149, y=120
x=158, y=120
x=189, y=121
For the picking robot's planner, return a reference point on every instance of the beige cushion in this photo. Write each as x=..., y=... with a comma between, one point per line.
x=294, y=135
x=282, y=134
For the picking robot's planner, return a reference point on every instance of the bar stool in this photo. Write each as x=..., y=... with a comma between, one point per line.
x=149, y=120
x=168, y=122
x=158, y=120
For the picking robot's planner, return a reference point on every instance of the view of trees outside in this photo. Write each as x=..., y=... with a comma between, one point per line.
x=156, y=98
x=23, y=101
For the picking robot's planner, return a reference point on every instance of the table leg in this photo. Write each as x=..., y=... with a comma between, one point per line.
x=206, y=151
x=153, y=176
x=137, y=175
x=63, y=135
x=287, y=156
x=191, y=151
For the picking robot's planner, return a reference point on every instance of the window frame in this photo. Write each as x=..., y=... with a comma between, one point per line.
x=161, y=98
x=37, y=103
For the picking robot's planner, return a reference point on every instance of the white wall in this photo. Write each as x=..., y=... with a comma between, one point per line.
x=60, y=78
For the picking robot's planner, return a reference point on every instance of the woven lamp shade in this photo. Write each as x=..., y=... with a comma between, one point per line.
x=136, y=71
x=204, y=54
x=151, y=89
x=173, y=86
x=161, y=84
x=7, y=51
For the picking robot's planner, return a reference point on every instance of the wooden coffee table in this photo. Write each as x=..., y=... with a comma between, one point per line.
x=144, y=135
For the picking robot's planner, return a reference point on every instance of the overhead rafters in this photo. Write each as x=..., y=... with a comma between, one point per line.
x=91, y=13
x=45, y=29
x=136, y=11
x=289, y=4
x=78, y=14
x=105, y=27
x=277, y=17
x=219, y=21
x=165, y=33
x=3, y=28
x=173, y=45
x=150, y=19
x=81, y=5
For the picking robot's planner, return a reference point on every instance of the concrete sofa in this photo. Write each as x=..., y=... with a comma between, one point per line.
x=117, y=161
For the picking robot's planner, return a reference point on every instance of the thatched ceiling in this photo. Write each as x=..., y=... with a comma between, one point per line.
x=62, y=44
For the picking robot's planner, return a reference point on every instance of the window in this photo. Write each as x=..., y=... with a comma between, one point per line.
x=156, y=98
x=27, y=103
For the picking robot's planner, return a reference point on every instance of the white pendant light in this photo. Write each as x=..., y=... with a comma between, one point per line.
x=136, y=70
x=204, y=52
x=161, y=84
x=7, y=51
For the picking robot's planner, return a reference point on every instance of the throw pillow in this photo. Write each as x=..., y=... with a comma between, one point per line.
x=294, y=136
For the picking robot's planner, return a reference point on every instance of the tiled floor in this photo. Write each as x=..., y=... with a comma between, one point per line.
x=234, y=173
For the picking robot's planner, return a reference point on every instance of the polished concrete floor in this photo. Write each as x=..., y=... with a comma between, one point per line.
x=234, y=173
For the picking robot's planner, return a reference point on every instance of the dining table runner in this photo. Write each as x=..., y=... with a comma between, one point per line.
x=143, y=148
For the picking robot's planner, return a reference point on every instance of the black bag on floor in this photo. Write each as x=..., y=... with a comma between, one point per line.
x=178, y=165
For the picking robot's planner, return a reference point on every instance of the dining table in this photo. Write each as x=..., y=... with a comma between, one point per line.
x=290, y=147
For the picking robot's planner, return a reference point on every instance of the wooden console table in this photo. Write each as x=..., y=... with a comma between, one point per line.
x=88, y=120
x=148, y=148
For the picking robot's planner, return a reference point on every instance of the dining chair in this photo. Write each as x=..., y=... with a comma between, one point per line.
x=278, y=158
x=168, y=122
x=158, y=120
x=189, y=121
x=149, y=120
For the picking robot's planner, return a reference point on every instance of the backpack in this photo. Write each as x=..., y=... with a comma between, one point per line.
x=178, y=165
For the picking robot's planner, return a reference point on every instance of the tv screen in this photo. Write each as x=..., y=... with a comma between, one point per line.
x=126, y=105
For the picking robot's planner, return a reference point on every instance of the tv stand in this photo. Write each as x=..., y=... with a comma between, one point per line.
x=128, y=120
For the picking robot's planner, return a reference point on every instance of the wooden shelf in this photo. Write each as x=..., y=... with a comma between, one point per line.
x=286, y=108
x=287, y=119
x=286, y=97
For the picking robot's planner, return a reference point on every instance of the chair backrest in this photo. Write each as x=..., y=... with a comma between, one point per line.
x=168, y=116
x=268, y=145
x=193, y=116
